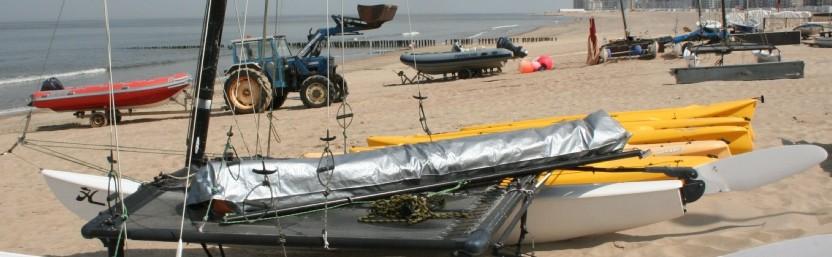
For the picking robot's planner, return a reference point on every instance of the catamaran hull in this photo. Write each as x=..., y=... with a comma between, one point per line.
x=581, y=210
x=83, y=194
x=565, y=212
x=824, y=42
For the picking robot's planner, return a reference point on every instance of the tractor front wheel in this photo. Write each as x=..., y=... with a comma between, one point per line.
x=341, y=89
x=316, y=91
x=247, y=91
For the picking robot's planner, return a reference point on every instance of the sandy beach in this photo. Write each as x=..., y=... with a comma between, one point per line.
x=795, y=111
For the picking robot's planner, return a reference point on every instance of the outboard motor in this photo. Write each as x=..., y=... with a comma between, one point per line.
x=51, y=84
x=457, y=47
x=505, y=43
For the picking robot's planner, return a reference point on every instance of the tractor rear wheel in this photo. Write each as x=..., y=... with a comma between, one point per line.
x=316, y=91
x=248, y=90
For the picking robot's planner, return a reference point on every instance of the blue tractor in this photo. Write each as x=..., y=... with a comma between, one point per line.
x=265, y=70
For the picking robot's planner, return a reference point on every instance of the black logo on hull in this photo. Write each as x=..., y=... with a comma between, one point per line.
x=87, y=194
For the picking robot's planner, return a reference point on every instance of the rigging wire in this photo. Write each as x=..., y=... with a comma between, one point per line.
x=115, y=160
x=242, y=54
x=22, y=138
x=277, y=10
x=208, y=9
x=66, y=157
x=326, y=156
x=255, y=103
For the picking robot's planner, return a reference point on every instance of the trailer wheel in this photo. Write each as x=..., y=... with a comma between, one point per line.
x=465, y=74
x=685, y=49
x=653, y=49
x=248, y=90
x=604, y=54
x=316, y=91
x=98, y=119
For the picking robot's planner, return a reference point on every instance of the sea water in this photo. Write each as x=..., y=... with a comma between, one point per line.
x=142, y=47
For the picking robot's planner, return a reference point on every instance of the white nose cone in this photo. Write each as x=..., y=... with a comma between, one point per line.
x=761, y=167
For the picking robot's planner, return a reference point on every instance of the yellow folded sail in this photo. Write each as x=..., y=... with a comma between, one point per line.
x=739, y=139
x=743, y=109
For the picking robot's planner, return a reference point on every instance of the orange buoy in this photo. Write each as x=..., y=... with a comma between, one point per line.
x=546, y=61
x=526, y=66
x=536, y=65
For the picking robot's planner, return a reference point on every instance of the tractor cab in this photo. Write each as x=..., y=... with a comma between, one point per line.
x=267, y=55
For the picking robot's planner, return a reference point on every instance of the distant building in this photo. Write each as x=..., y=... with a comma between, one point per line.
x=682, y=4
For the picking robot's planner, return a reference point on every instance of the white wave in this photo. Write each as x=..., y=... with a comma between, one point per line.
x=476, y=35
x=504, y=27
x=14, y=111
x=58, y=75
x=410, y=34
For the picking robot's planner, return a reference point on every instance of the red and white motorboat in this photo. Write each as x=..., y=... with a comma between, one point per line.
x=127, y=95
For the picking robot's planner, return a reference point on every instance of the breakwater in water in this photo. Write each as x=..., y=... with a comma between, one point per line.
x=386, y=44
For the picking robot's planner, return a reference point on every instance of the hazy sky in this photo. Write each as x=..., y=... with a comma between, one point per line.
x=47, y=10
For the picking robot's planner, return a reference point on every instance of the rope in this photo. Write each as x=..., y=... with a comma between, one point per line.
x=327, y=153
x=26, y=161
x=282, y=239
x=344, y=113
x=100, y=147
x=272, y=130
x=423, y=119
x=261, y=47
x=243, y=54
x=269, y=115
x=115, y=165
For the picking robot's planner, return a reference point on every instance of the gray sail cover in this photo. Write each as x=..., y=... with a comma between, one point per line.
x=296, y=181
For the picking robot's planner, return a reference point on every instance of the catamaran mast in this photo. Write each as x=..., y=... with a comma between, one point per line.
x=624, y=17
x=724, y=24
x=699, y=13
x=205, y=75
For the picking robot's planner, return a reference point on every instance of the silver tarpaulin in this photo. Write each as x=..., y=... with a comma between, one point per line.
x=297, y=181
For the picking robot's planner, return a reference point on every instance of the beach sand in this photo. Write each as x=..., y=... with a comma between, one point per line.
x=794, y=111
